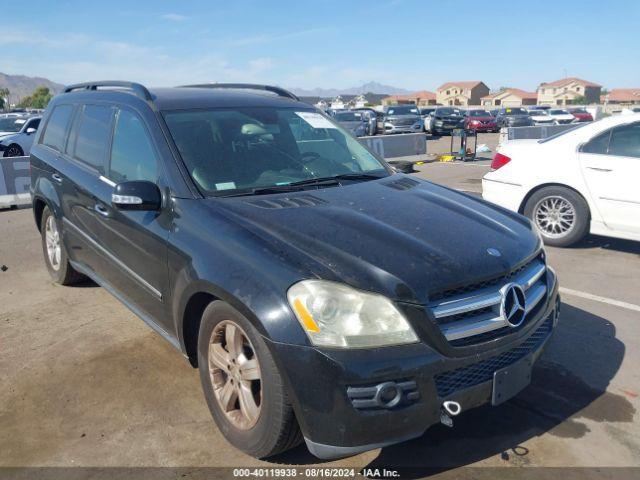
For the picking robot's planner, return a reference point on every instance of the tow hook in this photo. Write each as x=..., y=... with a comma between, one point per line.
x=449, y=409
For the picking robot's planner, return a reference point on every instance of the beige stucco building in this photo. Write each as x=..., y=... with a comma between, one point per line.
x=565, y=91
x=510, y=97
x=461, y=93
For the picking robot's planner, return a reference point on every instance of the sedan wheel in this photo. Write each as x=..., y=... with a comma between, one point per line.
x=14, y=151
x=554, y=216
x=235, y=374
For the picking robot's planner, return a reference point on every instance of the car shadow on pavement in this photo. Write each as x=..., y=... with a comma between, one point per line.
x=569, y=384
x=608, y=243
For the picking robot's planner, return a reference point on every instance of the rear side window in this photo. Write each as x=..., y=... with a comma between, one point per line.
x=92, y=135
x=625, y=141
x=598, y=144
x=132, y=154
x=54, y=134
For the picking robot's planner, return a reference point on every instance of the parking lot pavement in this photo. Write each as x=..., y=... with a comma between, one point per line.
x=88, y=384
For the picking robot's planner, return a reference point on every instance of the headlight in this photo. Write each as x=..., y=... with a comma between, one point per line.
x=438, y=123
x=336, y=315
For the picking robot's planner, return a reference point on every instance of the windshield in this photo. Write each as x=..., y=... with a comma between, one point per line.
x=479, y=113
x=235, y=151
x=427, y=111
x=402, y=110
x=564, y=132
x=559, y=112
x=537, y=113
x=515, y=111
x=11, y=124
x=448, y=111
x=578, y=110
x=348, y=117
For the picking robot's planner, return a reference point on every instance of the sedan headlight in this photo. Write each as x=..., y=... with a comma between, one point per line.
x=438, y=123
x=336, y=315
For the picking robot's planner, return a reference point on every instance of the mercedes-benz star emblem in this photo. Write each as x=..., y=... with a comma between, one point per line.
x=512, y=308
x=494, y=252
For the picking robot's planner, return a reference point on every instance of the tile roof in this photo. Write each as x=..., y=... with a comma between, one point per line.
x=624, y=95
x=468, y=84
x=568, y=80
x=422, y=94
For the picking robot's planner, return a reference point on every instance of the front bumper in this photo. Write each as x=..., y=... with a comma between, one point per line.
x=415, y=128
x=322, y=382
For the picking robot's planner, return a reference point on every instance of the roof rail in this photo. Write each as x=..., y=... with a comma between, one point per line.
x=281, y=92
x=137, y=88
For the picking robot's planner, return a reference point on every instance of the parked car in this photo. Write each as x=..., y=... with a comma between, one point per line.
x=11, y=123
x=371, y=116
x=354, y=122
x=400, y=119
x=480, y=121
x=541, y=117
x=561, y=116
x=578, y=181
x=19, y=144
x=426, y=113
x=253, y=234
x=513, y=117
x=445, y=119
x=581, y=114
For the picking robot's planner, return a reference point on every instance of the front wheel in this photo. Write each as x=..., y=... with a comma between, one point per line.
x=242, y=385
x=14, y=150
x=561, y=215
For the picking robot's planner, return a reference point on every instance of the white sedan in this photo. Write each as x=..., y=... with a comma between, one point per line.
x=583, y=180
x=561, y=116
x=541, y=117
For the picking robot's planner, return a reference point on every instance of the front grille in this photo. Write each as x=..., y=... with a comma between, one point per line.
x=403, y=121
x=484, y=311
x=477, y=373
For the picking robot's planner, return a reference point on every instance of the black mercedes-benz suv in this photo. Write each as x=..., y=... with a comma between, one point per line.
x=321, y=295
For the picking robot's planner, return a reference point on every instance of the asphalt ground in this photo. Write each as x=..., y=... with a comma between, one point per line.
x=87, y=384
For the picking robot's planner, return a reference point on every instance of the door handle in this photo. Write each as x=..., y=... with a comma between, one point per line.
x=101, y=209
x=597, y=169
x=56, y=177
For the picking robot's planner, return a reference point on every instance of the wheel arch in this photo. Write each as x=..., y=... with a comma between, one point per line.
x=537, y=188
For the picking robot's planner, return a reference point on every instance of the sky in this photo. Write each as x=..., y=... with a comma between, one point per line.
x=324, y=43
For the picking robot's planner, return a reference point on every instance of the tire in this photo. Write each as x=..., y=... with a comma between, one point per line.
x=275, y=429
x=560, y=214
x=57, y=264
x=14, y=150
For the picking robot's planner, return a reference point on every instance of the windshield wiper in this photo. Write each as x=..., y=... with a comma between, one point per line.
x=333, y=180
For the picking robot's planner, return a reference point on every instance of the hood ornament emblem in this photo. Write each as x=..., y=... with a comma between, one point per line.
x=494, y=252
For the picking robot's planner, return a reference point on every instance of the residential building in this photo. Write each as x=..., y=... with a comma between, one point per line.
x=623, y=96
x=565, y=91
x=510, y=97
x=421, y=98
x=461, y=93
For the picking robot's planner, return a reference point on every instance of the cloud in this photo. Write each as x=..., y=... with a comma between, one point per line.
x=174, y=17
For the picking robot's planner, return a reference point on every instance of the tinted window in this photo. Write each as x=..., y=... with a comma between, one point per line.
x=132, y=154
x=34, y=124
x=625, y=141
x=54, y=134
x=92, y=135
x=598, y=144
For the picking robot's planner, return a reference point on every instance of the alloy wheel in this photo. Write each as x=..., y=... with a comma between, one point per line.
x=554, y=216
x=52, y=242
x=13, y=151
x=235, y=374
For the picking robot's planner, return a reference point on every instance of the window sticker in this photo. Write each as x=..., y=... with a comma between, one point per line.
x=225, y=186
x=315, y=120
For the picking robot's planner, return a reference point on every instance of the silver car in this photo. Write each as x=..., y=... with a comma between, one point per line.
x=17, y=143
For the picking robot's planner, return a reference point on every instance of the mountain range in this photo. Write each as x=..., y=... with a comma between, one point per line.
x=369, y=87
x=20, y=85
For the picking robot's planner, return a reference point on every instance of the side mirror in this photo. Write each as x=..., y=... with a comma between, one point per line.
x=137, y=195
x=30, y=130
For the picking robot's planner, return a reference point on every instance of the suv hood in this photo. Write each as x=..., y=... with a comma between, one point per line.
x=399, y=236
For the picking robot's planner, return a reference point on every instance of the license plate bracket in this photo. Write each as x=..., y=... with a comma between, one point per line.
x=511, y=380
